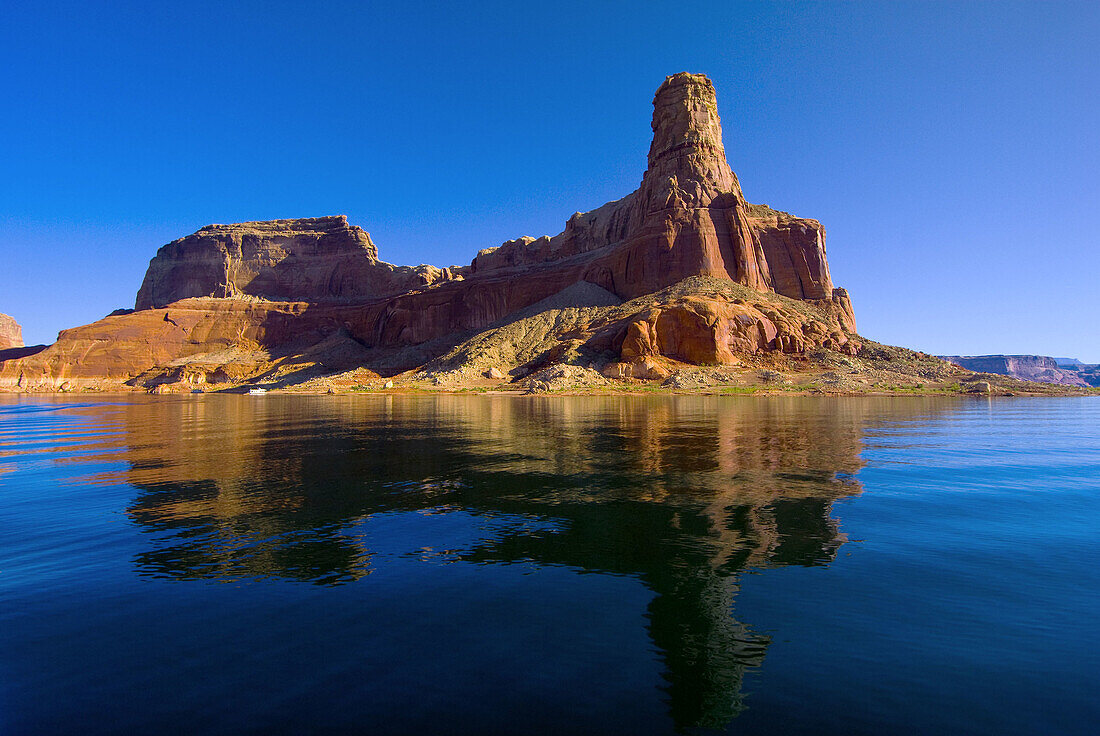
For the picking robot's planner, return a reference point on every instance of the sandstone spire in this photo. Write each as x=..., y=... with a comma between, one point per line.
x=687, y=137
x=690, y=198
x=688, y=218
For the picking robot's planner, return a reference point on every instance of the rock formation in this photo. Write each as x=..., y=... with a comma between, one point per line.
x=1039, y=368
x=282, y=287
x=11, y=334
x=688, y=218
x=320, y=259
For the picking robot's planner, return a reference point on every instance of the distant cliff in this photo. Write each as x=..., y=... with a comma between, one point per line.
x=1038, y=368
x=11, y=334
x=1090, y=374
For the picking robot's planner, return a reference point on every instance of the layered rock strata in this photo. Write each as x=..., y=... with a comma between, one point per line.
x=11, y=334
x=1090, y=375
x=322, y=277
x=319, y=259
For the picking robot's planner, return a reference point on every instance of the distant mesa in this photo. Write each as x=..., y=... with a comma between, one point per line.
x=690, y=273
x=1039, y=368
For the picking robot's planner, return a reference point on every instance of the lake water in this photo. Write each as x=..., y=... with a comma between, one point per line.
x=492, y=565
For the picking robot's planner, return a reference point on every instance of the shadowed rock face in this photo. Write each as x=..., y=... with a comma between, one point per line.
x=688, y=218
x=11, y=334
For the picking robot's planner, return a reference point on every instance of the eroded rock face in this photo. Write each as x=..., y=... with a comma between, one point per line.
x=199, y=341
x=712, y=330
x=11, y=334
x=319, y=259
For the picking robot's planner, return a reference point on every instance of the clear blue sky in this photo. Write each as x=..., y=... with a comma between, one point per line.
x=950, y=149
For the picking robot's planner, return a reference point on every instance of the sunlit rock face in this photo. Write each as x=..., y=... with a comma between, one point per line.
x=281, y=286
x=315, y=259
x=11, y=334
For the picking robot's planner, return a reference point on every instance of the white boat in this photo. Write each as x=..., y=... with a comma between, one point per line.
x=257, y=391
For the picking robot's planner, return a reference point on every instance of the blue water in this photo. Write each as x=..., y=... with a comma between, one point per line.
x=481, y=565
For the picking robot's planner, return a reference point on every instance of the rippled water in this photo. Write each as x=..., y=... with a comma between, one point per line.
x=479, y=565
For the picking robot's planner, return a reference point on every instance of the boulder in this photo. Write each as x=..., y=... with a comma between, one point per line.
x=563, y=377
x=711, y=330
x=646, y=369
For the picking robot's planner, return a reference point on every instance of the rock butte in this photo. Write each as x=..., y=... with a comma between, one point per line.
x=229, y=301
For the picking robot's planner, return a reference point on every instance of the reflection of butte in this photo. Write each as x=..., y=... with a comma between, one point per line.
x=682, y=494
x=214, y=478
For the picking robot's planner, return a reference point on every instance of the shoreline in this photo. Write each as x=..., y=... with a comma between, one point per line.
x=641, y=390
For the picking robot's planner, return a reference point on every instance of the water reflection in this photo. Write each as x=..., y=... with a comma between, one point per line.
x=681, y=493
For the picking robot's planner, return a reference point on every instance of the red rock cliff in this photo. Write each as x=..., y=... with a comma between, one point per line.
x=687, y=218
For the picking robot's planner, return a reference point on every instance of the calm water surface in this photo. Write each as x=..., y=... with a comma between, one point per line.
x=484, y=565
